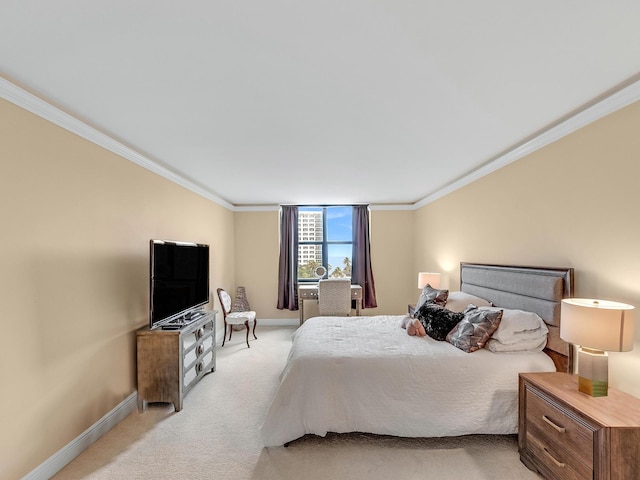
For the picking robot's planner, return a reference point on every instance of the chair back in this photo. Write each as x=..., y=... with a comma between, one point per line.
x=225, y=301
x=334, y=297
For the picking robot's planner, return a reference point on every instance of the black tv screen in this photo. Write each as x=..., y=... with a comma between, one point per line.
x=179, y=279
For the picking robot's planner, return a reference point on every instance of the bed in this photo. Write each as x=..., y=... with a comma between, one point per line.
x=365, y=374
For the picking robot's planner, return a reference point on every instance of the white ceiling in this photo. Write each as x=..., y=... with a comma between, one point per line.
x=262, y=102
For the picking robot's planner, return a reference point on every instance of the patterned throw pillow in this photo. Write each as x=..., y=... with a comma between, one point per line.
x=475, y=329
x=437, y=320
x=432, y=295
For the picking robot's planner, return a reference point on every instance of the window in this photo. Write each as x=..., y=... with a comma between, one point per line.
x=325, y=237
x=336, y=231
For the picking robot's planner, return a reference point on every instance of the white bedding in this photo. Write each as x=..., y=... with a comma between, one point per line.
x=365, y=374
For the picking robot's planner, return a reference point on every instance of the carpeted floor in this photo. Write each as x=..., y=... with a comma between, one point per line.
x=216, y=436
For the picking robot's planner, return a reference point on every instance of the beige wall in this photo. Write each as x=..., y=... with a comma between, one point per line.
x=396, y=279
x=76, y=225
x=256, y=262
x=571, y=204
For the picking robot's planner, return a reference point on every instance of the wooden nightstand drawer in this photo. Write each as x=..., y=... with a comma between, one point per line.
x=557, y=429
x=559, y=464
x=565, y=434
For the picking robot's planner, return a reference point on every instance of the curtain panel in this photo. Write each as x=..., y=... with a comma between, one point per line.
x=288, y=263
x=361, y=271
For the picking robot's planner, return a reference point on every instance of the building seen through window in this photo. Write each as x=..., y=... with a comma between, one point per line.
x=325, y=237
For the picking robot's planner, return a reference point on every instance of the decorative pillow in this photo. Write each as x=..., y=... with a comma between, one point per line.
x=475, y=329
x=432, y=295
x=437, y=320
x=459, y=301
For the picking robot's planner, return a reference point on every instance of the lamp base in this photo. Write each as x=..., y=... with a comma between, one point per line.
x=593, y=372
x=593, y=388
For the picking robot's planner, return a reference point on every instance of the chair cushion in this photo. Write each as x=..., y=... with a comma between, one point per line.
x=238, y=318
x=225, y=300
x=334, y=297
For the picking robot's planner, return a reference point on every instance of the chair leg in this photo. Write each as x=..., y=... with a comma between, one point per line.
x=230, y=331
x=246, y=324
x=224, y=337
x=255, y=322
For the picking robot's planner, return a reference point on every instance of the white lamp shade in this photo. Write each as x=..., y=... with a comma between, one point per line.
x=597, y=324
x=432, y=279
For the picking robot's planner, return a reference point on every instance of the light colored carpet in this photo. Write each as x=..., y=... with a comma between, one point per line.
x=216, y=435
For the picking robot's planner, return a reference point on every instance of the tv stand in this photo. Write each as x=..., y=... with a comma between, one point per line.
x=172, y=361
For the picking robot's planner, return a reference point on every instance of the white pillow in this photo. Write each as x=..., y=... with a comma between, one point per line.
x=518, y=325
x=459, y=301
x=533, y=345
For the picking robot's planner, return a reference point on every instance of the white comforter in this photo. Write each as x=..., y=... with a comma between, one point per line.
x=365, y=374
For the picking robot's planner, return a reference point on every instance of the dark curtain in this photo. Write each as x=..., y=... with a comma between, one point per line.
x=361, y=272
x=288, y=264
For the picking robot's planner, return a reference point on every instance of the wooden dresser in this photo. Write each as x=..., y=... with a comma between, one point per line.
x=171, y=362
x=565, y=434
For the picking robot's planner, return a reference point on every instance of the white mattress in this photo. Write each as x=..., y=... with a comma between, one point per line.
x=365, y=374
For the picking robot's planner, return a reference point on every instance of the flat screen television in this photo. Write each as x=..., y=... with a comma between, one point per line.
x=179, y=273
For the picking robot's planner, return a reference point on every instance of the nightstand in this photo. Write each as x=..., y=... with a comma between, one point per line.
x=565, y=434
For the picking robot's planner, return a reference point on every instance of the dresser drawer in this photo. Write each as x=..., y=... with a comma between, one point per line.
x=558, y=432
x=198, y=356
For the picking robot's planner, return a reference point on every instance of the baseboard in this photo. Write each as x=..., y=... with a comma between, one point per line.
x=273, y=322
x=264, y=322
x=64, y=456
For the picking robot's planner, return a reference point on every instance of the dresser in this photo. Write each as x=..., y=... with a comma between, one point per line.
x=172, y=362
x=565, y=434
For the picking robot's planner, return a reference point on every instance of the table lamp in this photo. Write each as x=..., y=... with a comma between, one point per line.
x=432, y=279
x=597, y=326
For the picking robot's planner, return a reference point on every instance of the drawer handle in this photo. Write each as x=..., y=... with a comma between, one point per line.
x=557, y=427
x=553, y=459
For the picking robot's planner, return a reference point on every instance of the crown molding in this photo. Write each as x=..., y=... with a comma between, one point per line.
x=619, y=97
x=36, y=105
x=271, y=208
x=256, y=208
x=389, y=206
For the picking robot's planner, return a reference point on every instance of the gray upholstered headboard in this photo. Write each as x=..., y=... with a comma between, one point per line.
x=535, y=289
